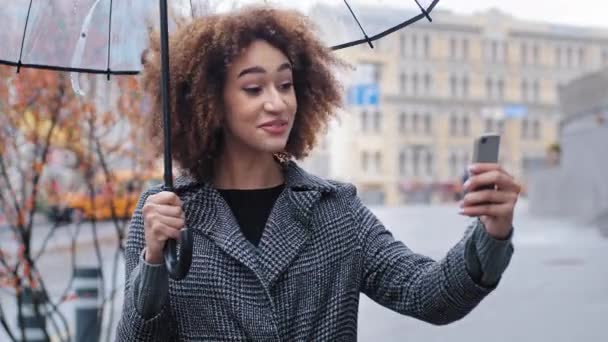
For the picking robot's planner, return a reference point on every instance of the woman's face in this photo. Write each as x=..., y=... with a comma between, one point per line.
x=260, y=100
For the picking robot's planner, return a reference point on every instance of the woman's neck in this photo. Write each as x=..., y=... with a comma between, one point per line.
x=247, y=171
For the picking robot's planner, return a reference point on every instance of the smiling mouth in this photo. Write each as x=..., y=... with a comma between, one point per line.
x=275, y=128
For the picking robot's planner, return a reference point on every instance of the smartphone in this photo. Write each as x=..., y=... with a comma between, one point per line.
x=485, y=150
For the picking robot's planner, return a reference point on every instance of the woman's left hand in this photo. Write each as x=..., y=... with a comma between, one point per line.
x=493, y=207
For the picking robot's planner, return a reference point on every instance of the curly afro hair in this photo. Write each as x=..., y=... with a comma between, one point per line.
x=200, y=53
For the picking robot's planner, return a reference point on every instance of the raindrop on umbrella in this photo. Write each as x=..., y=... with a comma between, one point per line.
x=79, y=51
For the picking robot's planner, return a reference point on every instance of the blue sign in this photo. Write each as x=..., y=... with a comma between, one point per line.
x=364, y=95
x=515, y=111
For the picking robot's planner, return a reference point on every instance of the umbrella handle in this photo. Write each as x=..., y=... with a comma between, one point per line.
x=178, y=268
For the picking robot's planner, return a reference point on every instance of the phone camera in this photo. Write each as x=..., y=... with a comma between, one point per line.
x=484, y=140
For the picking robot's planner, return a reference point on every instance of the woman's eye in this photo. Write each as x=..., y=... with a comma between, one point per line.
x=253, y=90
x=286, y=86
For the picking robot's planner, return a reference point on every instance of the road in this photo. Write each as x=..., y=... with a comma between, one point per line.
x=556, y=288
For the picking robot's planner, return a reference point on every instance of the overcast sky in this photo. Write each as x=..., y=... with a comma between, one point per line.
x=573, y=12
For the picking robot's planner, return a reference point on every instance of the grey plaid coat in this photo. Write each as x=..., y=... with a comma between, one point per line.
x=320, y=249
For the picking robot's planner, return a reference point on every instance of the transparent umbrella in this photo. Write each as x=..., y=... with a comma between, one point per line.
x=108, y=37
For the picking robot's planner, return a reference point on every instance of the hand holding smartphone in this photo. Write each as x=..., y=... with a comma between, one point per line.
x=485, y=150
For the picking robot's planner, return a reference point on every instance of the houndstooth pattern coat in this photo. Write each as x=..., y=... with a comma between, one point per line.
x=320, y=249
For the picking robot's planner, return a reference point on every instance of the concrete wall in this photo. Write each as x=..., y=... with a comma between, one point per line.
x=578, y=188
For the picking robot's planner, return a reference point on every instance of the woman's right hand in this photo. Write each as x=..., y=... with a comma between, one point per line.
x=163, y=219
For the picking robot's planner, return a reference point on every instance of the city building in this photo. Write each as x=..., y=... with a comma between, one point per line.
x=416, y=102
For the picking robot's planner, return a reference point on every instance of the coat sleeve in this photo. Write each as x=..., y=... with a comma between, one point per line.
x=143, y=282
x=437, y=292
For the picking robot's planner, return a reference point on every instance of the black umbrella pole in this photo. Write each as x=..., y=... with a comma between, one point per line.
x=178, y=268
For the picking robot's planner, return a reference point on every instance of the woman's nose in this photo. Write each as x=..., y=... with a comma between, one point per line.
x=274, y=101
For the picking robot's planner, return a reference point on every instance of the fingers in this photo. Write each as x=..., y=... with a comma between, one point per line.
x=166, y=198
x=488, y=197
x=497, y=176
x=163, y=219
x=478, y=168
x=164, y=210
x=494, y=210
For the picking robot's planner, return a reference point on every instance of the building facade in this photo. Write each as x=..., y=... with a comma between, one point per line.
x=416, y=102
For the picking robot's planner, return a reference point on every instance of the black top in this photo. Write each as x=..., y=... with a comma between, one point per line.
x=251, y=209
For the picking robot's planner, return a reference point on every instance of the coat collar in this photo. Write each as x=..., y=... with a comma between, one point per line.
x=288, y=227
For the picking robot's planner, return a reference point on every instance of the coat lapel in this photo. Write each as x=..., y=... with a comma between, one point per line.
x=290, y=226
x=287, y=230
x=207, y=212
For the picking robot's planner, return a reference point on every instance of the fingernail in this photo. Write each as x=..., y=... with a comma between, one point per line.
x=466, y=184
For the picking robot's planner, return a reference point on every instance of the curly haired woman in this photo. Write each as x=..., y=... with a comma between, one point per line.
x=280, y=254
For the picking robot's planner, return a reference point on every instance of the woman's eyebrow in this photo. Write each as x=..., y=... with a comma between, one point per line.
x=260, y=70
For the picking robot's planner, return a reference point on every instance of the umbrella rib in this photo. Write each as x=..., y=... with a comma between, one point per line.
x=27, y=19
x=424, y=11
x=108, y=71
x=386, y=32
x=369, y=42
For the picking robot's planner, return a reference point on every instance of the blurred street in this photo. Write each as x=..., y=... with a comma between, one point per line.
x=556, y=288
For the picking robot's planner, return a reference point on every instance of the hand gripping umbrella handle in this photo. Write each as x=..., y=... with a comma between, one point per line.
x=178, y=268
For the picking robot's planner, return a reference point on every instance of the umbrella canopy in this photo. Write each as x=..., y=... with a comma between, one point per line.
x=108, y=37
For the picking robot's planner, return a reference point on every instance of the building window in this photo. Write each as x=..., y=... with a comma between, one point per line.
x=536, y=54
x=466, y=126
x=415, y=84
x=465, y=86
x=581, y=57
x=402, y=46
x=536, y=129
x=453, y=161
x=377, y=122
x=427, y=46
x=464, y=161
x=427, y=83
x=428, y=129
x=414, y=51
x=403, y=162
x=416, y=161
x=415, y=123
x=364, y=121
x=453, y=86
x=453, y=48
x=365, y=161
x=501, y=89
x=489, y=88
x=524, y=90
x=377, y=162
x=453, y=125
x=494, y=51
x=403, y=83
x=569, y=57
x=525, y=127
x=524, y=54
x=536, y=91
x=465, y=49
x=558, y=57
x=429, y=163
x=402, y=122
